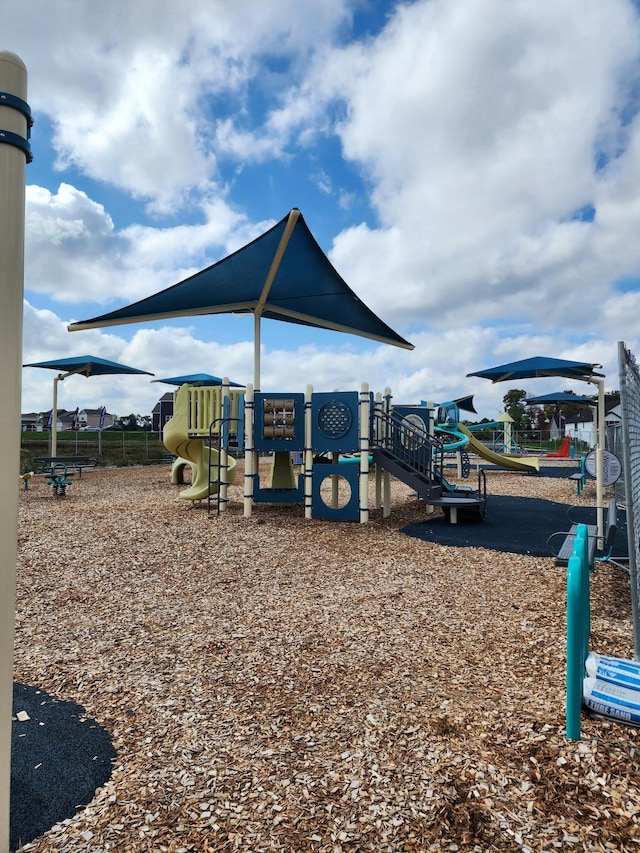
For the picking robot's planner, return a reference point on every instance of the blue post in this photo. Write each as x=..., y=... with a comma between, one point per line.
x=578, y=630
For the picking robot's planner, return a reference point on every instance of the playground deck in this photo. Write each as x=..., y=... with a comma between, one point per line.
x=276, y=683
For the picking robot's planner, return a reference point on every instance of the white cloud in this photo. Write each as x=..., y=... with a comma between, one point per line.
x=74, y=253
x=136, y=91
x=479, y=128
x=493, y=117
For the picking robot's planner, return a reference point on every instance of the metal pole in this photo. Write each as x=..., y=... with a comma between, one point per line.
x=307, y=458
x=364, y=412
x=256, y=351
x=14, y=132
x=54, y=417
x=250, y=462
x=600, y=459
x=294, y=215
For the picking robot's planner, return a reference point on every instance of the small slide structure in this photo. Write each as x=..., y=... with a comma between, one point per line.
x=563, y=451
x=511, y=462
x=193, y=451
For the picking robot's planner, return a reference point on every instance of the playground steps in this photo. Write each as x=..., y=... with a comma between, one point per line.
x=463, y=503
x=426, y=489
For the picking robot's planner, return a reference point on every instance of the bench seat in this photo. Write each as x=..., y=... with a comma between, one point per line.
x=568, y=537
x=71, y=463
x=566, y=549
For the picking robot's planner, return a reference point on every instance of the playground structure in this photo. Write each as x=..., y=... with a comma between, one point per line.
x=182, y=435
x=448, y=421
x=504, y=441
x=322, y=431
x=563, y=451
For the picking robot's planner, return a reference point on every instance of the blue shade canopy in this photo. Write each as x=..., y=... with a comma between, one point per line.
x=79, y=365
x=562, y=397
x=196, y=379
x=281, y=275
x=538, y=366
x=87, y=365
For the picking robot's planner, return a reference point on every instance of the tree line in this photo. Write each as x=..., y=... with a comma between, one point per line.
x=532, y=416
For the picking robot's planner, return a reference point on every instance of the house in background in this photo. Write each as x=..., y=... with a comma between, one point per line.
x=581, y=426
x=31, y=422
x=162, y=412
x=67, y=420
x=90, y=418
x=38, y=421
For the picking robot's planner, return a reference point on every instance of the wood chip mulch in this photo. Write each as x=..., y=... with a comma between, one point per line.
x=277, y=684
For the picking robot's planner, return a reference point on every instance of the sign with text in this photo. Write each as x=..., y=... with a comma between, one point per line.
x=611, y=466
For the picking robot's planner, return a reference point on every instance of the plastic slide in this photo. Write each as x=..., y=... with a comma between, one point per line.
x=192, y=450
x=460, y=442
x=563, y=451
x=514, y=463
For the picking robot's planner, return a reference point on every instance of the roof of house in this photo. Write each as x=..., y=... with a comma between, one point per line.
x=166, y=398
x=585, y=416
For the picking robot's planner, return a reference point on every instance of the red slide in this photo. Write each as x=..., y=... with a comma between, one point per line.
x=563, y=451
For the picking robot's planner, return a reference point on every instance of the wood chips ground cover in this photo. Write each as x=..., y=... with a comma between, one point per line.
x=279, y=684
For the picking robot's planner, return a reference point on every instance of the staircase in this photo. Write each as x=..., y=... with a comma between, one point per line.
x=409, y=453
x=426, y=489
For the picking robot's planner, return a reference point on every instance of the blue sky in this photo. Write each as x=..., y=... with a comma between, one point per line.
x=472, y=169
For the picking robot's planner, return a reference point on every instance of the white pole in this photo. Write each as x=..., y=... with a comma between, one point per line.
x=365, y=411
x=294, y=215
x=431, y=407
x=256, y=352
x=223, y=462
x=249, y=455
x=386, y=500
x=13, y=127
x=54, y=417
x=308, y=453
x=378, y=472
x=600, y=459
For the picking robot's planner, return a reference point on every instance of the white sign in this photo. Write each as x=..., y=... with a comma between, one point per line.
x=611, y=467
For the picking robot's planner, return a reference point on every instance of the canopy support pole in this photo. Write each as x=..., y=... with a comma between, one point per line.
x=54, y=408
x=294, y=215
x=54, y=417
x=256, y=351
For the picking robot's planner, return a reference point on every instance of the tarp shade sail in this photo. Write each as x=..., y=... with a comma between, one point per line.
x=79, y=365
x=562, y=397
x=196, y=379
x=538, y=366
x=281, y=275
x=87, y=365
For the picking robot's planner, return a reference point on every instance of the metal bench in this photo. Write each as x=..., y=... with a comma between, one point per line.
x=74, y=464
x=565, y=539
x=580, y=477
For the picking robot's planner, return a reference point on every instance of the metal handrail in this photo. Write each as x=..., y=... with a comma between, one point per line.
x=408, y=442
x=216, y=432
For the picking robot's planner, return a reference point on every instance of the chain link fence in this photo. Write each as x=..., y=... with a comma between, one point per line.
x=629, y=488
x=110, y=447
